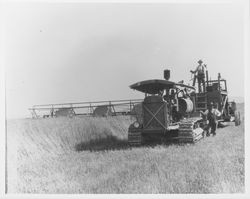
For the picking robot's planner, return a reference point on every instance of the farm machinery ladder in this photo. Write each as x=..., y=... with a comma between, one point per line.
x=201, y=102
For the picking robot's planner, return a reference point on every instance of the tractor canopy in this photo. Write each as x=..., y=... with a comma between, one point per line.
x=155, y=86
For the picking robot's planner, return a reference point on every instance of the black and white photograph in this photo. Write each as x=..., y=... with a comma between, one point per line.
x=124, y=97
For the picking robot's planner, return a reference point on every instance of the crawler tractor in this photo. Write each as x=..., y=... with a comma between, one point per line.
x=171, y=111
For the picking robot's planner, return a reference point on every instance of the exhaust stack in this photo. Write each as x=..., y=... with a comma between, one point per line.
x=166, y=74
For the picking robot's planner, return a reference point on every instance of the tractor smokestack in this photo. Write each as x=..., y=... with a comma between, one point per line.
x=166, y=74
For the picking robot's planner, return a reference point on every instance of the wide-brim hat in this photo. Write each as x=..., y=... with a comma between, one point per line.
x=200, y=61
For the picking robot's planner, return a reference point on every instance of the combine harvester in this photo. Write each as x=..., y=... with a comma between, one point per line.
x=171, y=111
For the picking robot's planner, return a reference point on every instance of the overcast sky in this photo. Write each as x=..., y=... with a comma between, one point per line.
x=70, y=52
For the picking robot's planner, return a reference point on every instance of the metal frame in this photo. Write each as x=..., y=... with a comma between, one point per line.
x=87, y=108
x=219, y=95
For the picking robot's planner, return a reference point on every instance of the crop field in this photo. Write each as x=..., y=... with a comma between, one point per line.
x=91, y=155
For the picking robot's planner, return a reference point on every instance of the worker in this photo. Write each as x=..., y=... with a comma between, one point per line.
x=200, y=70
x=212, y=113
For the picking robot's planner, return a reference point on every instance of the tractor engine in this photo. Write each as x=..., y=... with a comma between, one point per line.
x=185, y=105
x=180, y=103
x=165, y=105
x=181, y=108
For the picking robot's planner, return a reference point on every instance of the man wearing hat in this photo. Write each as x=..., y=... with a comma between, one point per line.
x=200, y=70
x=212, y=113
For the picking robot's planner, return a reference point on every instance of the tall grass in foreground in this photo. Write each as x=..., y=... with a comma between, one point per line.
x=61, y=135
x=90, y=155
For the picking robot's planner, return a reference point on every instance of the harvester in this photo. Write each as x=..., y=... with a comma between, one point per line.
x=170, y=111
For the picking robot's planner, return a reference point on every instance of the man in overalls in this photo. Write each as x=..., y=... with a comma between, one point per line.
x=212, y=113
x=200, y=70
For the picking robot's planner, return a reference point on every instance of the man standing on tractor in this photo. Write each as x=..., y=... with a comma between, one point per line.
x=200, y=70
x=212, y=113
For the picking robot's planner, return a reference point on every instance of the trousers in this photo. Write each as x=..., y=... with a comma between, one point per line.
x=212, y=125
x=201, y=82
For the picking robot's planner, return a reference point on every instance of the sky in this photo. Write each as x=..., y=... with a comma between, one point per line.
x=71, y=52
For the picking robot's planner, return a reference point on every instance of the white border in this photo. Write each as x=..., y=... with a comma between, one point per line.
x=142, y=196
x=247, y=94
x=2, y=106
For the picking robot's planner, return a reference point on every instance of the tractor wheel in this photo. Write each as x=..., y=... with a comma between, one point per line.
x=237, y=118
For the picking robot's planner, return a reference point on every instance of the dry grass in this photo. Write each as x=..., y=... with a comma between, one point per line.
x=91, y=155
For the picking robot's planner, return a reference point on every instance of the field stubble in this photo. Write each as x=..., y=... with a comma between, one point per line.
x=91, y=155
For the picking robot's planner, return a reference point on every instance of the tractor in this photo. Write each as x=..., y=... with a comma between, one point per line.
x=170, y=111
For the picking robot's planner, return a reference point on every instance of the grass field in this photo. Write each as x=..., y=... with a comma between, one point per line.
x=91, y=155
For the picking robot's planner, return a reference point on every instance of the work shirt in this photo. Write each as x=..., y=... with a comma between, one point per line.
x=200, y=69
x=212, y=114
x=214, y=111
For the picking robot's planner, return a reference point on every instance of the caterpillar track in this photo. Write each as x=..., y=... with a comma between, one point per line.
x=189, y=130
x=134, y=137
